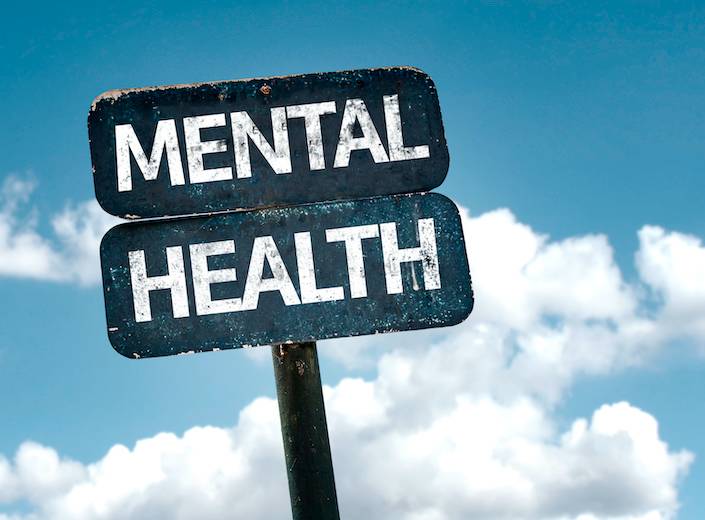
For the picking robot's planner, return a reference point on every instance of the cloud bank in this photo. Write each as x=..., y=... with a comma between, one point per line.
x=69, y=255
x=455, y=424
x=477, y=459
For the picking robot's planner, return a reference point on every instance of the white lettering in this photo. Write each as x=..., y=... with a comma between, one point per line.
x=310, y=293
x=165, y=138
x=203, y=278
x=196, y=149
x=397, y=150
x=353, y=236
x=312, y=120
x=263, y=249
x=426, y=253
x=277, y=154
x=174, y=280
x=278, y=158
x=356, y=111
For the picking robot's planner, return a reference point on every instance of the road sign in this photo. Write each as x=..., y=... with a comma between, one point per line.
x=274, y=275
x=266, y=142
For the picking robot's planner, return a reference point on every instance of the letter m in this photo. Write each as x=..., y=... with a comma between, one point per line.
x=126, y=144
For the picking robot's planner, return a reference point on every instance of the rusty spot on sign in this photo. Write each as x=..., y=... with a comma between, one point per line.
x=300, y=367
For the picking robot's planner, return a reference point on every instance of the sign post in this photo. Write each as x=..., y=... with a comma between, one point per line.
x=304, y=431
x=303, y=214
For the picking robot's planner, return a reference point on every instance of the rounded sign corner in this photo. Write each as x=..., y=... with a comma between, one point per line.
x=106, y=204
x=121, y=349
x=468, y=310
x=108, y=96
x=108, y=236
x=445, y=200
x=416, y=71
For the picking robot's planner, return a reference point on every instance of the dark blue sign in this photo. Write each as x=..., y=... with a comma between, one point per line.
x=274, y=275
x=266, y=142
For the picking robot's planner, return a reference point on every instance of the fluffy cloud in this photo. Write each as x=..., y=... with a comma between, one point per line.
x=455, y=424
x=477, y=459
x=549, y=311
x=71, y=255
x=673, y=266
x=520, y=276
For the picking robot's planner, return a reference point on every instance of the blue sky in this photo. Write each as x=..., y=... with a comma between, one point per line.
x=581, y=118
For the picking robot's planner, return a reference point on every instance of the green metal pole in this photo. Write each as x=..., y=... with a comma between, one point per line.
x=305, y=433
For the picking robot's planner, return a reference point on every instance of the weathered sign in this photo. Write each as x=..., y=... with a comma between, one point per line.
x=266, y=142
x=274, y=275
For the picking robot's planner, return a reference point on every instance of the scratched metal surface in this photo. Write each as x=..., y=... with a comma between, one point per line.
x=421, y=125
x=272, y=321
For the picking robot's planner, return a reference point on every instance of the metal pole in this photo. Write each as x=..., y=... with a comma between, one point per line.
x=305, y=433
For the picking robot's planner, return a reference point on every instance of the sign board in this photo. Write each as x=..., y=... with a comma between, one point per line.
x=274, y=275
x=266, y=142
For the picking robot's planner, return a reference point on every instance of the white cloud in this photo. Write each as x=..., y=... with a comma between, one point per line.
x=455, y=424
x=519, y=276
x=23, y=252
x=549, y=311
x=673, y=266
x=205, y=474
x=477, y=459
x=37, y=474
x=71, y=255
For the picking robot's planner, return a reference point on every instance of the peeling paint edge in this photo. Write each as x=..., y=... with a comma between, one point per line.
x=113, y=95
